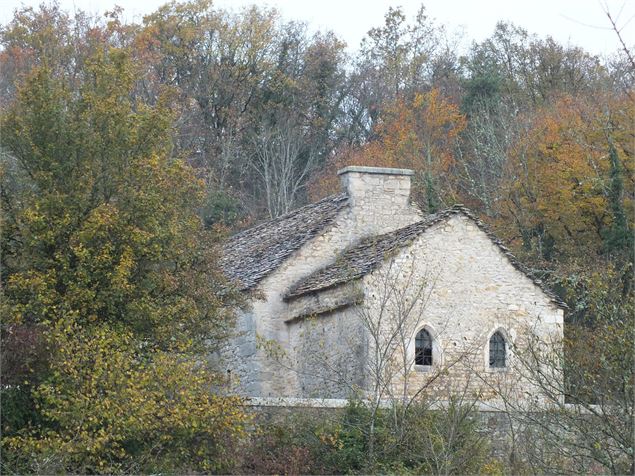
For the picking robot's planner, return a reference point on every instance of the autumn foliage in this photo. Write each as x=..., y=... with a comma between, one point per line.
x=559, y=176
x=418, y=134
x=128, y=148
x=110, y=292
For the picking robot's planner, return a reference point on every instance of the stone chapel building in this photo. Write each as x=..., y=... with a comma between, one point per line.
x=361, y=290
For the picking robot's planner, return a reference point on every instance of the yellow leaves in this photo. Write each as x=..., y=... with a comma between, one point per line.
x=559, y=172
x=331, y=437
x=34, y=215
x=104, y=394
x=123, y=270
x=109, y=260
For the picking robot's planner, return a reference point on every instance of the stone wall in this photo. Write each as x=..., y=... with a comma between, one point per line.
x=468, y=290
x=272, y=360
x=329, y=347
x=239, y=356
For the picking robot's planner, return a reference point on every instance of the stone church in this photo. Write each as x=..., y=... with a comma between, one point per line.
x=361, y=293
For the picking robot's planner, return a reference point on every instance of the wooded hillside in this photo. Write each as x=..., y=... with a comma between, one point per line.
x=129, y=150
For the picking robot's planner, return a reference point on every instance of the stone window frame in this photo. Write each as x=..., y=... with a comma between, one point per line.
x=509, y=338
x=437, y=354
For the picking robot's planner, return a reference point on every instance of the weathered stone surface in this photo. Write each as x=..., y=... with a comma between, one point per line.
x=252, y=254
x=306, y=336
x=472, y=290
x=326, y=302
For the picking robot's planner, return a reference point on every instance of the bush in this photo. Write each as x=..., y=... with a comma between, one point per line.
x=108, y=410
x=279, y=449
x=441, y=441
x=427, y=442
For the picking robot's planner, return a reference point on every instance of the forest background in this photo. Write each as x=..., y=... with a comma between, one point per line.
x=129, y=150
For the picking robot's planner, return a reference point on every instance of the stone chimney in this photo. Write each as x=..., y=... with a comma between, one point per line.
x=379, y=198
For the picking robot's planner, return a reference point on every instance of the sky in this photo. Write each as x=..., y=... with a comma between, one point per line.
x=575, y=22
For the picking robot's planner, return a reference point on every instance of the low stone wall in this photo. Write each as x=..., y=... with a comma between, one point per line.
x=494, y=424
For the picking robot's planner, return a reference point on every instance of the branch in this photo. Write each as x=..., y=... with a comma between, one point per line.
x=619, y=37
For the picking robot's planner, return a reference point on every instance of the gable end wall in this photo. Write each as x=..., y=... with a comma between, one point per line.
x=472, y=290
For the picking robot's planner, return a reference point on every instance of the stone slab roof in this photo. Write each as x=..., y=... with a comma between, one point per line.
x=252, y=254
x=364, y=257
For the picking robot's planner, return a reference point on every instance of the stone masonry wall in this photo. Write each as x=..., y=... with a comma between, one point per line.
x=272, y=360
x=379, y=200
x=468, y=290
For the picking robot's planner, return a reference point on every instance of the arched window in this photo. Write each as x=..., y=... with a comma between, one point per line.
x=423, y=348
x=497, y=350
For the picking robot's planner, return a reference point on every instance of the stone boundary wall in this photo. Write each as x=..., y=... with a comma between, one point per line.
x=493, y=423
x=292, y=402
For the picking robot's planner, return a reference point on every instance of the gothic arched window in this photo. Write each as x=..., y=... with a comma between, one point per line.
x=423, y=348
x=497, y=350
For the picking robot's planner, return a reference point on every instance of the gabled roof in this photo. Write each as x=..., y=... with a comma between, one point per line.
x=366, y=256
x=252, y=254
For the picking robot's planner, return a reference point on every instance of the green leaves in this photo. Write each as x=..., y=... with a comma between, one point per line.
x=111, y=212
x=105, y=256
x=116, y=410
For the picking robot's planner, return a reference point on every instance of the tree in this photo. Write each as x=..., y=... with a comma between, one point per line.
x=529, y=72
x=86, y=172
x=239, y=78
x=283, y=164
x=295, y=119
x=48, y=36
x=420, y=134
x=108, y=409
x=104, y=263
x=483, y=154
x=396, y=60
x=584, y=422
x=619, y=236
x=216, y=62
x=561, y=212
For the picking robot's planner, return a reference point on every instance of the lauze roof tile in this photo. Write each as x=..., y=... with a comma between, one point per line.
x=252, y=254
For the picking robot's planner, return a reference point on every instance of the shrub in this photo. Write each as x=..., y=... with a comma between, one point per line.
x=109, y=410
x=444, y=441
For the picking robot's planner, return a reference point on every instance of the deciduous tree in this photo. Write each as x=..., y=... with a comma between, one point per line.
x=106, y=266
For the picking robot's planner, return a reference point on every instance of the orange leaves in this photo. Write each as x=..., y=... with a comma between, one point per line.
x=418, y=134
x=559, y=173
